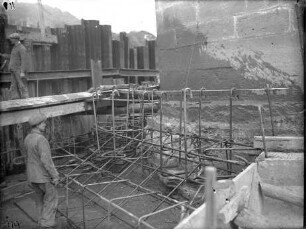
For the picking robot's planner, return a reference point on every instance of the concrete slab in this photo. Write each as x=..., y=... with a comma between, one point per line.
x=280, y=169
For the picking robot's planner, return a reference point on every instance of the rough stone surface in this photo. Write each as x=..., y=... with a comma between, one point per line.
x=243, y=43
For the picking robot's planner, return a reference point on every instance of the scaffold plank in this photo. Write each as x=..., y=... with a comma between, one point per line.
x=22, y=116
x=21, y=104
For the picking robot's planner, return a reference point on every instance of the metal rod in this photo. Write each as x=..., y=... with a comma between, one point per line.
x=142, y=128
x=270, y=108
x=121, y=198
x=137, y=186
x=185, y=123
x=153, y=101
x=118, y=178
x=37, y=88
x=190, y=153
x=173, y=190
x=127, y=112
x=229, y=145
x=113, y=119
x=210, y=211
x=96, y=122
x=262, y=131
x=140, y=220
x=161, y=135
x=83, y=208
x=227, y=90
x=171, y=142
x=133, y=109
x=180, y=127
x=143, y=182
x=67, y=196
x=106, y=182
x=113, y=205
x=200, y=118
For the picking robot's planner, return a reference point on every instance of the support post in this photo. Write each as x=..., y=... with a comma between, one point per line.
x=270, y=108
x=262, y=131
x=210, y=211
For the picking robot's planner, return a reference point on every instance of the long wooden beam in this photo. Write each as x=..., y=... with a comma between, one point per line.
x=52, y=75
x=36, y=102
x=22, y=116
x=19, y=111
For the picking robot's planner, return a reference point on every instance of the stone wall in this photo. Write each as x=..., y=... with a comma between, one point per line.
x=222, y=44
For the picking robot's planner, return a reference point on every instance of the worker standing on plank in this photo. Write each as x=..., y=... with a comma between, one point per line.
x=41, y=172
x=18, y=68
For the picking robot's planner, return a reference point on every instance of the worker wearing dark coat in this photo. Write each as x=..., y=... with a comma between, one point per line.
x=41, y=172
x=18, y=67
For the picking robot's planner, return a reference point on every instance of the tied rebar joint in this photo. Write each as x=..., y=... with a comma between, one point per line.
x=202, y=90
x=234, y=93
x=153, y=93
x=185, y=90
x=115, y=92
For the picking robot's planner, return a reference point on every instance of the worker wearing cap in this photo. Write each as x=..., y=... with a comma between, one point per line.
x=18, y=68
x=41, y=172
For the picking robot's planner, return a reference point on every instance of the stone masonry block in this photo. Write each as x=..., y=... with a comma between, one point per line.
x=263, y=23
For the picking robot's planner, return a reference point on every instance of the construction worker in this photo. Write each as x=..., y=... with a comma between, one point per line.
x=18, y=68
x=41, y=172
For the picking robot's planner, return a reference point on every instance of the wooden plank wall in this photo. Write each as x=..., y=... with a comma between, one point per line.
x=59, y=52
x=106, y=46
x=77, y=45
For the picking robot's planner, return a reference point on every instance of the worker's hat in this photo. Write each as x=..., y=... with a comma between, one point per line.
x=37, y=119
x=14, y=36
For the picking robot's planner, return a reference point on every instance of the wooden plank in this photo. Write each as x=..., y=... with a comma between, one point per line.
x=64, y=74
x=92, y=40
x=32, y=89
x=140, y=57
x=126, y=51
x=66, y=86
x=135, y=58
x=116, y=53
x=145, y=57
x=21, y=104
x=47, y=58
x=81, y=48
x=106, y=46
x=152, y=58
x=83, y=85
x=96, y=73
x=47, y=88
x=132, y=62
x=22, y=116
x=122, y=36
x=41, y=88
